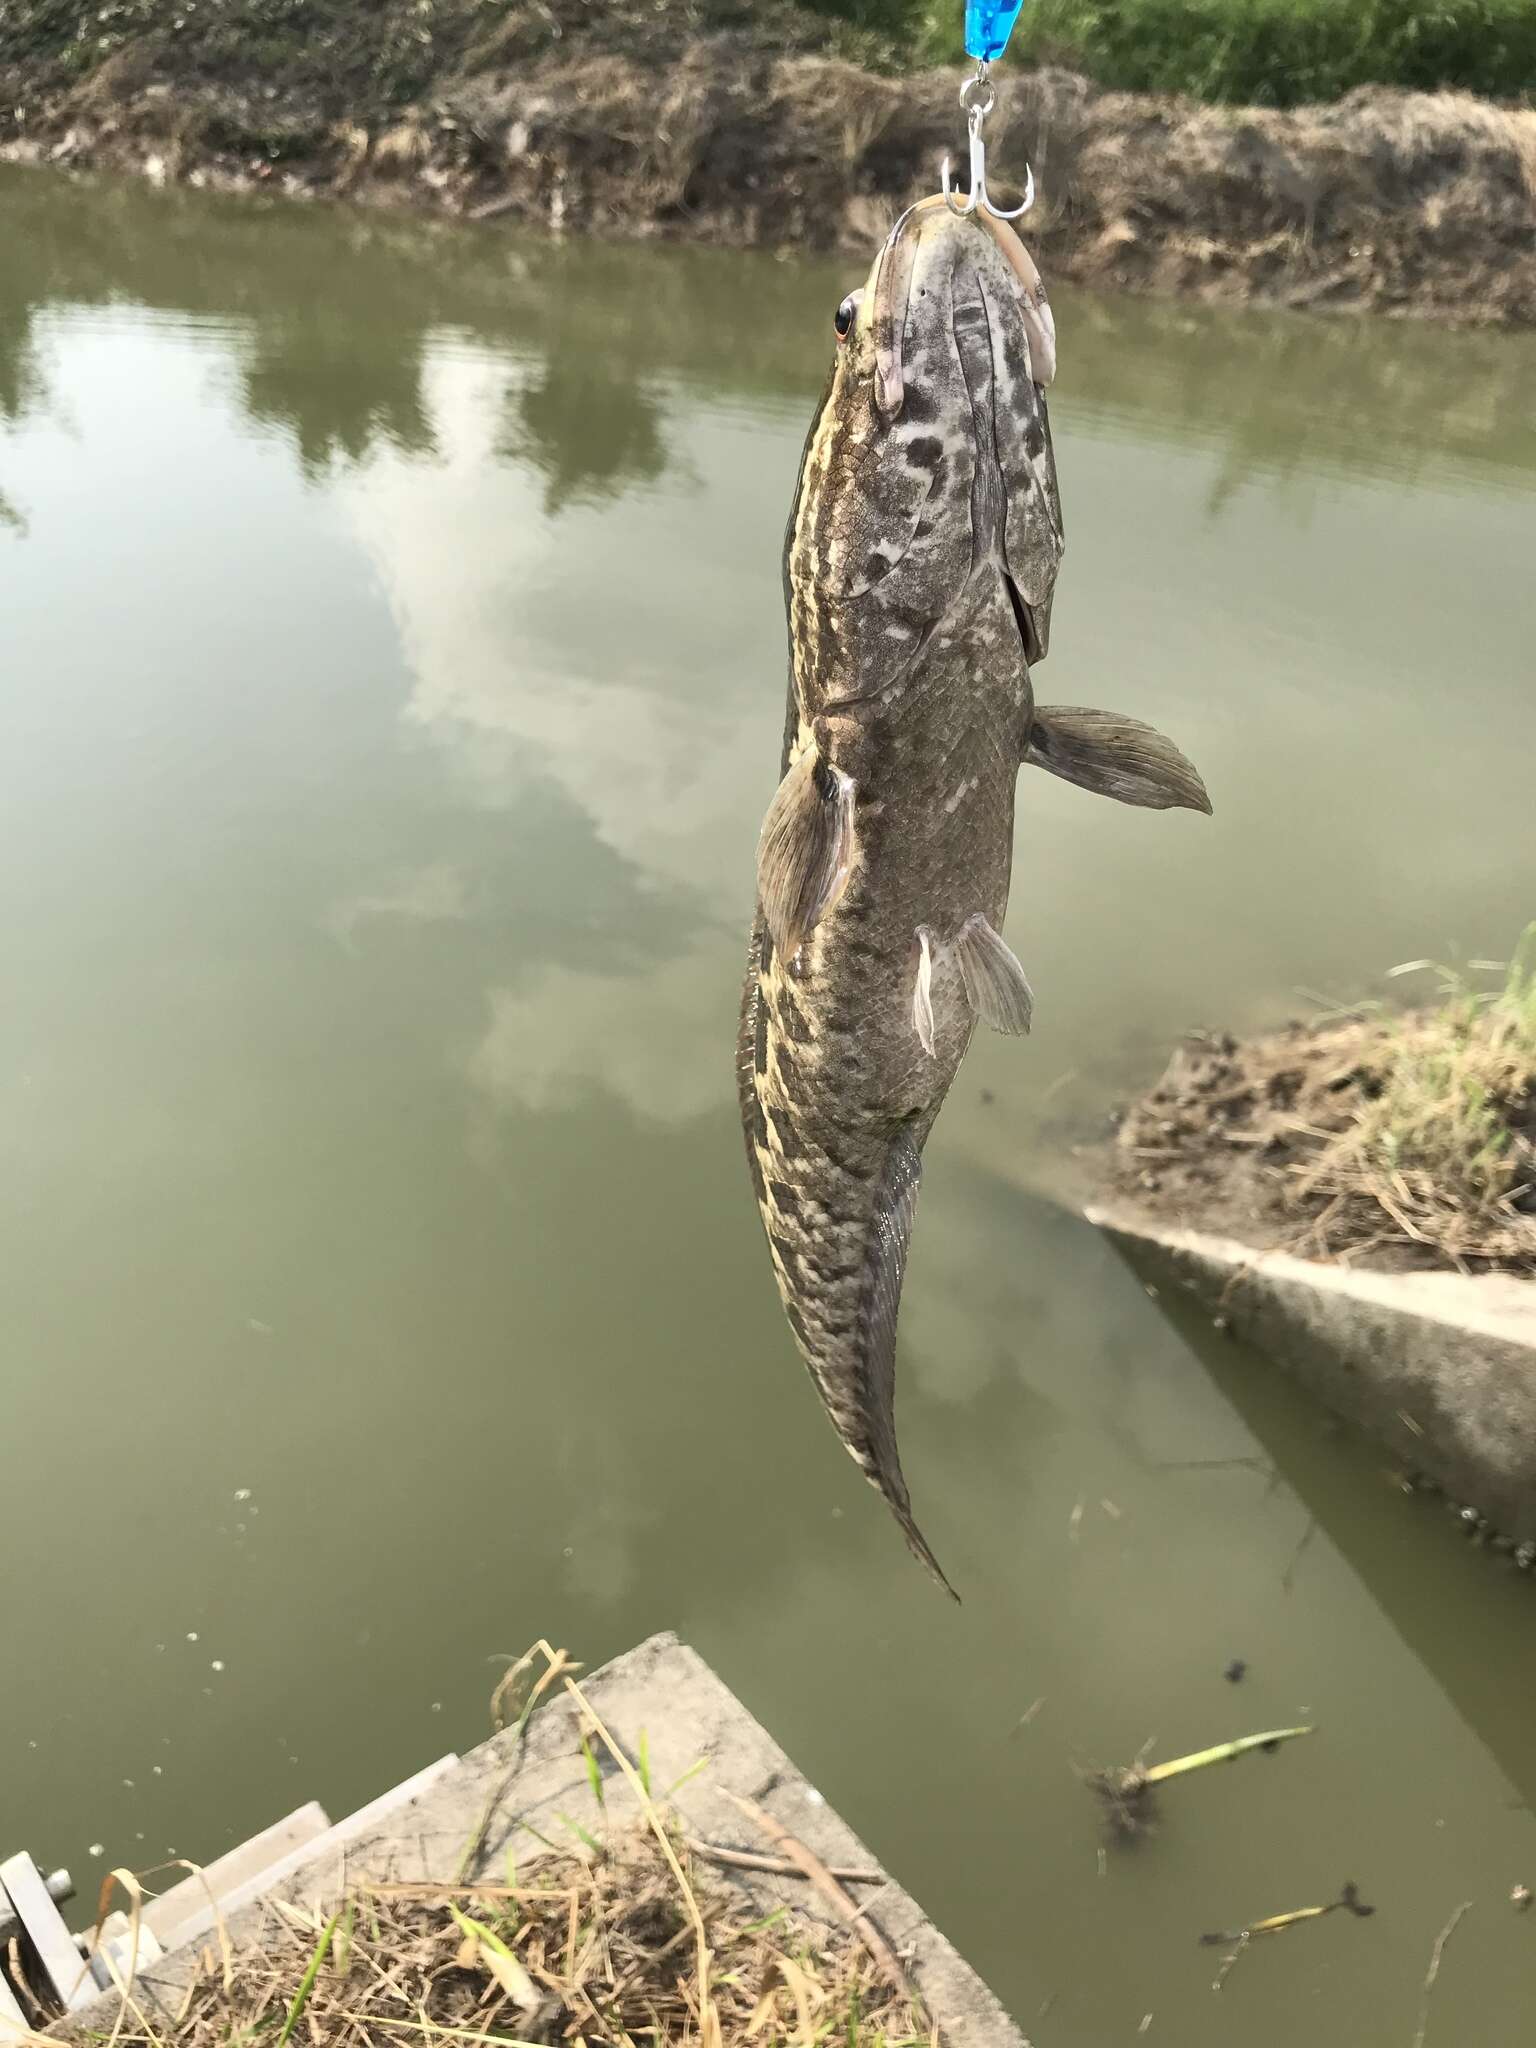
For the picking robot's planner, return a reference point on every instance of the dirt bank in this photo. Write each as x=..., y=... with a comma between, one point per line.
x=1393, y=1143
x=1397, y=202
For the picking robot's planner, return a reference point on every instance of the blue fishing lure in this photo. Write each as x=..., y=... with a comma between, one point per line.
x=988, y=25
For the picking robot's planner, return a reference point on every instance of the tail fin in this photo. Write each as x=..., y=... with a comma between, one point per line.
x=894, y=1489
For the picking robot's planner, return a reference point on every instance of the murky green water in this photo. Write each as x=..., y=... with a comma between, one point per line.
x=391, y=674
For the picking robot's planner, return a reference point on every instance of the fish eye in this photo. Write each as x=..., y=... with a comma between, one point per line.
x=846, y=314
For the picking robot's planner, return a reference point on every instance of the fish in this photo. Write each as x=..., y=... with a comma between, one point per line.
x=920, y=563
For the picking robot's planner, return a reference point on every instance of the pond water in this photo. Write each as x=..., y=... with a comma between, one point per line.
x=391, y=675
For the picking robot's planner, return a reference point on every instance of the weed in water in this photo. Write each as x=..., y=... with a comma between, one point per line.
x=1128, y=1793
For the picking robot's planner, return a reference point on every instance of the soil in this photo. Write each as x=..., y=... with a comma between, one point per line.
x=638, y=121
x=1231, y=1139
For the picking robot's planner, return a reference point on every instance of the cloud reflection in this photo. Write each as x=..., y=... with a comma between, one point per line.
x=437, y=894
x=527, y=661
x=658, y=1042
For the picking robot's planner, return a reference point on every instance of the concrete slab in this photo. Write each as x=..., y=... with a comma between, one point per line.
x=666, y=1691
x=1440, y=1367
x=123, y=1950
x=268, y=1852
x=238, y=1884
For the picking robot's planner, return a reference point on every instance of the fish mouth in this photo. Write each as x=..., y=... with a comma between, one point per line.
x=965, y=341
x=927, y=254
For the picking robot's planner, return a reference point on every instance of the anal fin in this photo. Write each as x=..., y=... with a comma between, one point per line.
x=805, y=850
x=1114, y=756
x=995, y=984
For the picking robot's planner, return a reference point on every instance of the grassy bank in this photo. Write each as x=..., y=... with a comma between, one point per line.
x=1256, y=52
x=1404, y=1140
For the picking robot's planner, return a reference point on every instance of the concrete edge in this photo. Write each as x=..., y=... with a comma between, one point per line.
x=1439, y=1367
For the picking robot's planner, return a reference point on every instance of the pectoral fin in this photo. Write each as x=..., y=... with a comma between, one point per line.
x=805, y=850
x=995, y=983
x=1114, y=756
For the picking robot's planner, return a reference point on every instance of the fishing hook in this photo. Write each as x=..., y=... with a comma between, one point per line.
x=978, y=99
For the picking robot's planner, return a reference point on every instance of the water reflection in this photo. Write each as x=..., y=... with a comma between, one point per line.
x=649, y=1041
x=338, y=387
x=589, y=434
x=436, y=894
x=1301, y=396
x=21, y=385
x=343, y=310
x=1418, y=1572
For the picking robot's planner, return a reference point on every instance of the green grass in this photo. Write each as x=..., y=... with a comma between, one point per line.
x=1264, y=52
x=1441, y=1128
x=348, y=53
x=1284, y=52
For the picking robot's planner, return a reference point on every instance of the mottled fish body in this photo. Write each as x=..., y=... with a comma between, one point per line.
x=920, y=562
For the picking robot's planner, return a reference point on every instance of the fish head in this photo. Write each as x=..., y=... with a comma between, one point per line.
x=930, y=461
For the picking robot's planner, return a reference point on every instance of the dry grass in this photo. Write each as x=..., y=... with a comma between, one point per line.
x=582, y=1945
x=1408, y=1140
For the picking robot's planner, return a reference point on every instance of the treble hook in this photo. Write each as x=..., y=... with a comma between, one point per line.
x=978, y=99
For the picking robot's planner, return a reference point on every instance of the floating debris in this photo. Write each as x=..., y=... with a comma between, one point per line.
x=1520, y=1897
x=1027, y=1716
x=1128, y=1794
x=1236, y=1671
x=1436, y=1956
x=1349, y=1900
